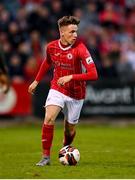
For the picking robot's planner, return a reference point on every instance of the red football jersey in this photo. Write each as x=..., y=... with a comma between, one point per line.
x=69, y=61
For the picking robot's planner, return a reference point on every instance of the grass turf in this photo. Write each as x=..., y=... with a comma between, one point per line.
x=106, y=152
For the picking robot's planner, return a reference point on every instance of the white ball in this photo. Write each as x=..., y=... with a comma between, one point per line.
x=69, y=155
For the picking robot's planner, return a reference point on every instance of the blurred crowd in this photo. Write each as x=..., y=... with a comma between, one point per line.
x=107, y=28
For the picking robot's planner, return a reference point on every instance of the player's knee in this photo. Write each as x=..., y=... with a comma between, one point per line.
x=49, y=120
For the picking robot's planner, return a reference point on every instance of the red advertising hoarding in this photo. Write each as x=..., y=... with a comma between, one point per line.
x=17, y=101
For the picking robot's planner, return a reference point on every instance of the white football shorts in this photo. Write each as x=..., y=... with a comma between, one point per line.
x=70, y=107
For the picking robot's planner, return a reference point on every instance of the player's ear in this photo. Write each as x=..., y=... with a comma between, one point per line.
x=61, y=31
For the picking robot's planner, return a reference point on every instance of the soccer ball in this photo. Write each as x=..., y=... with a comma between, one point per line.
x=69, y=155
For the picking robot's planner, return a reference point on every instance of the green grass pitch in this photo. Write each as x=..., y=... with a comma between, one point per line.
x=106, y=152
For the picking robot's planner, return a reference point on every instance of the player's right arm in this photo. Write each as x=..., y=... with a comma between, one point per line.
x=45, y=66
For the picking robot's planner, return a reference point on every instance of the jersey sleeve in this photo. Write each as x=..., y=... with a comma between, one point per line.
x=88, y=63
x=45, y=66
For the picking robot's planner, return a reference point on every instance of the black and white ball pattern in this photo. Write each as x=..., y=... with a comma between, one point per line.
x=69, y=155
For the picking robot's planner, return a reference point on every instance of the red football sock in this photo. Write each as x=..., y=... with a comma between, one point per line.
x=47, y=137
x=68, y=139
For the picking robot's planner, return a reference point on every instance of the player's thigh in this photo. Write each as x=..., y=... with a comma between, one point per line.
x=54, y=103
x=54, y=98
x=51, y=112
x=73, y=110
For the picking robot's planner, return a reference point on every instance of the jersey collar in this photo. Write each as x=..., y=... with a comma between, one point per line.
x=66, y=48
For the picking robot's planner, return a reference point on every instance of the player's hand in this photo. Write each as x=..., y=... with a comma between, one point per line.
x=61, y=81
x=4, y=83
x=32, y=87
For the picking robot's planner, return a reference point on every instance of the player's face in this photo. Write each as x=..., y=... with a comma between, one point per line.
x=69, y=33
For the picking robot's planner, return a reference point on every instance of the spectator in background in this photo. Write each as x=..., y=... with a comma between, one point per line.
x=44, y=21
x=35, y=43
x=26, y=2
x=16, y=69
x=15, y=35
x=89, y=17
x=109, y=16
x=5, y=18
x=24, y=51
x=130, y=56
x=126, y=64
x=108, y=70
x=124, y=70
x=30, y=68
x=114, y=52
x=129, y=3
x=21, y=19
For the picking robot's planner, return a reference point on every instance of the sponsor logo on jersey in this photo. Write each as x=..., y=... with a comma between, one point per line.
x=69, y=56
x=57, y=54
x=89, y=60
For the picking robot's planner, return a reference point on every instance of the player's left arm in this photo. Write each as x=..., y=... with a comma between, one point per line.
x=87, y=61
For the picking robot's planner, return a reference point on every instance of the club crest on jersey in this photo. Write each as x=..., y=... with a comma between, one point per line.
x=69, y=56
x=89, y=60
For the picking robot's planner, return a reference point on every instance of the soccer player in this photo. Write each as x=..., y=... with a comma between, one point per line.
x=4, y=79
x=67, y=55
